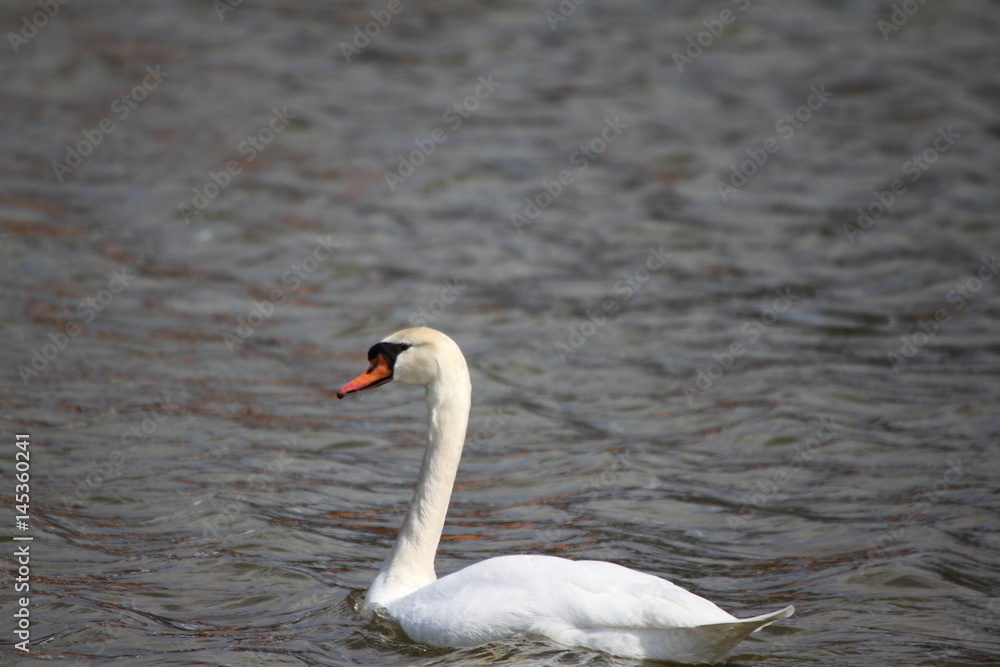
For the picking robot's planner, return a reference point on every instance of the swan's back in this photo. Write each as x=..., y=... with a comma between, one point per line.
x=592, y=604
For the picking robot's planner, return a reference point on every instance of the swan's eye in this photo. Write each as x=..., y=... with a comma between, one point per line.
x=388, y=351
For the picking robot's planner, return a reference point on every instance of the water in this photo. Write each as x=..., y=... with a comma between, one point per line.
x=741, y=387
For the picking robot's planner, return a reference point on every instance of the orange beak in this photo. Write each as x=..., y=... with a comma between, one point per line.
x=377, y=374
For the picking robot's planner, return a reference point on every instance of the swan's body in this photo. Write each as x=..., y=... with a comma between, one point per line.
x=592, y=604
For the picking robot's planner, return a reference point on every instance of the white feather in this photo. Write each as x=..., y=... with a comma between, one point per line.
x=592, y=604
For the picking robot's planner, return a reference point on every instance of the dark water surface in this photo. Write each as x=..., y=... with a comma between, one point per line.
x=691, y=354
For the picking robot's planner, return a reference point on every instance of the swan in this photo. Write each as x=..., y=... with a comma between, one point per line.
x=591, y=604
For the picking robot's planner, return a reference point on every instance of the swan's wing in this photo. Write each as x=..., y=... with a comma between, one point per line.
x=583, y=603
x=629, y=613
x=601, y=594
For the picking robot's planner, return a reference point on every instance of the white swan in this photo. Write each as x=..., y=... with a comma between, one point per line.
x=591, y=604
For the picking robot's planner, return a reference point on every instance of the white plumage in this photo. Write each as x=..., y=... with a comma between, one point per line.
x=591, y=604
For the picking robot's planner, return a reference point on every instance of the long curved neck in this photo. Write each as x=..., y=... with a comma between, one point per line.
x=410, y=564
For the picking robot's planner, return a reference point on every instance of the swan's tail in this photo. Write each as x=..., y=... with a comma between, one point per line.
x=759, y=622
x=714, y=642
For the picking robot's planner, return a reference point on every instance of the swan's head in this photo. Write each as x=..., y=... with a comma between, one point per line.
x=411, y=356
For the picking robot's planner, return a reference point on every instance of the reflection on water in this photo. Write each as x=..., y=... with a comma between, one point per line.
x=744, y=339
